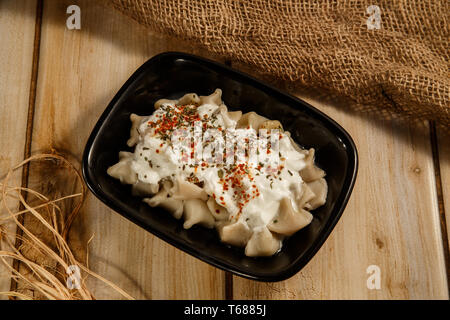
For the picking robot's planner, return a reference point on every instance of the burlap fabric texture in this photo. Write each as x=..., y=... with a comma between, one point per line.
x=390, y=57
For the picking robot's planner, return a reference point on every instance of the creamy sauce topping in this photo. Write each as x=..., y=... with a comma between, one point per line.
x=250, y=192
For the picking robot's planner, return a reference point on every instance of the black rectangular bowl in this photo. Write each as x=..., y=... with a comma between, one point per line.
x=172, y=74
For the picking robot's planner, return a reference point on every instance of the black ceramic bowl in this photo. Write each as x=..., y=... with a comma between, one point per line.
x=170, y=75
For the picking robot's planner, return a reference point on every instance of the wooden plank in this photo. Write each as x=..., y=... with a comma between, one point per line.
x=17, y=24
x=79, y=73
x=391, y=221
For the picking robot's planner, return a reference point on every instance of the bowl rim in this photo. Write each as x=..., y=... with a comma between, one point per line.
x=333, y=126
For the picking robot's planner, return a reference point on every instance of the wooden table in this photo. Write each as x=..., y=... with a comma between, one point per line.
x=55, y=83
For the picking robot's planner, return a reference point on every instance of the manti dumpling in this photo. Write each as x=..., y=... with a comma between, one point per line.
x=251, y=206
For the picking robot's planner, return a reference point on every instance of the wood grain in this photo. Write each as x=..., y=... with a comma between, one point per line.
x=17, y=24
x=79, y=73
x=391, y=221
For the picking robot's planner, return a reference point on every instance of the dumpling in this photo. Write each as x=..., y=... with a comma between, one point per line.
x=122, y=170
x=288, y=220
x=305, y=196
x=134, y=131
x=163, y=199
x=271, y=124
x=262, y=243
x=320, y=189
x=143, y=189
x=229, y=117
x=218, y=212
x=160, y=102
x=310, y=172
x=196, y=212
x=250, y=119
x=214, y=98
x=189, y=99
x=235, y=115
x=184, y=190
x=235, y=233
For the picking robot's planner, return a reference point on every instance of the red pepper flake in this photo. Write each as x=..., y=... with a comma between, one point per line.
x=157, y=151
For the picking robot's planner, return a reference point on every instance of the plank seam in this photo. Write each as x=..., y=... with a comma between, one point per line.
x=30, y=119
x=440, y=198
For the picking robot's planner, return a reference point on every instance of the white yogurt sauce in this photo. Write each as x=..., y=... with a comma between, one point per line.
x=260, y=191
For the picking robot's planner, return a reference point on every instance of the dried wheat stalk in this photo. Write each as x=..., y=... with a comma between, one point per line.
x=49, y=283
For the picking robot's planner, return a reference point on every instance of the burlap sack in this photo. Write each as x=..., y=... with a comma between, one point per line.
x=394, y=60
